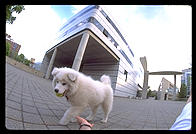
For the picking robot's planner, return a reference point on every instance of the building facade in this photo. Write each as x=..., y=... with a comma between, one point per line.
x=166, y=90
x=92, y=43
x=186, y=78
x=14, y=48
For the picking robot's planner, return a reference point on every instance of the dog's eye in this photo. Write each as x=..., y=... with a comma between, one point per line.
x=57, y=81
x=63, y=84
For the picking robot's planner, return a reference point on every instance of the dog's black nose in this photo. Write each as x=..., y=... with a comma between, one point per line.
x=56, y=90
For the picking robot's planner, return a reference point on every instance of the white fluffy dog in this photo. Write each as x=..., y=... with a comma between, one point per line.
x=82, y=91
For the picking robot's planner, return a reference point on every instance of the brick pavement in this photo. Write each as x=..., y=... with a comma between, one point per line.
x=32, y=104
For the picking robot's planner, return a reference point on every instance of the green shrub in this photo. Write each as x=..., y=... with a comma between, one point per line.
x=183, y=90
x=7, y=48
x=26, y=62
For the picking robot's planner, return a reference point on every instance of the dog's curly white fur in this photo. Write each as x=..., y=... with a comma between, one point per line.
x=82, y=91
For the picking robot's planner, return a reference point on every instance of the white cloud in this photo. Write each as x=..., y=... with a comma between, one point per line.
x=34, y=29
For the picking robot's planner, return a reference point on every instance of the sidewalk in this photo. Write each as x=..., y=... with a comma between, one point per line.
x=32, y=104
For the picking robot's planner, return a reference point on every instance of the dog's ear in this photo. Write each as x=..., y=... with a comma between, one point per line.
x=54, y=82
x=55, y=71
x=72, y=76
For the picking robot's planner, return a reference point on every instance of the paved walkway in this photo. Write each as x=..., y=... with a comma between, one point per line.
x=32, y=104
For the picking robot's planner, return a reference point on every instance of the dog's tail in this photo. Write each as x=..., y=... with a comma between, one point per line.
x=105, y=79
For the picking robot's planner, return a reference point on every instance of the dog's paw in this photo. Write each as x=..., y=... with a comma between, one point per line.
x=104, y=121
x=61, y=122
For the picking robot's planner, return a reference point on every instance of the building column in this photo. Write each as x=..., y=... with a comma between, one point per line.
x=146, y=75
x=51, y=64
x=80, y=51
x=44, y=64
x=174, y=93
x=145, y=85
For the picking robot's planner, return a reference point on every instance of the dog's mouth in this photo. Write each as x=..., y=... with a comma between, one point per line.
x=61, y=94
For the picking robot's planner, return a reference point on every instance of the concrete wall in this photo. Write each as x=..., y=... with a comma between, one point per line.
x=44, y=65
x=24, y=67
x=96, y=70
x=126, y=85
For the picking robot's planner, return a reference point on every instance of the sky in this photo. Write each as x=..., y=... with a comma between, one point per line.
x=161, y=33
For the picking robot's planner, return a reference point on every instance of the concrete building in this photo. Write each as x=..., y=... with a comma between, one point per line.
x=32, y=62
x=14, y=48
x=91, y=42
x=166, y=90
x=186, y=78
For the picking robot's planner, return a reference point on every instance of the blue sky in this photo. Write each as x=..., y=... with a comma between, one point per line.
x=161, y=33
x=150, y=11
x=64, y=11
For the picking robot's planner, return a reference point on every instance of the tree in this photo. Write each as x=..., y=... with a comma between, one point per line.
x=20, y=58
x=26, y=62
x=7, y=48
x=183, y=90
x=10, y=9
x=149, y=93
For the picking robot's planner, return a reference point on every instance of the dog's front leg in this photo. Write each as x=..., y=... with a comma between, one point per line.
x=70, y=113
x=66, y=118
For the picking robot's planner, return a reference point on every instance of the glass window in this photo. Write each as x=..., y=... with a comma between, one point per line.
x=114, y=26
x=105, y=32
x=104, y=14
x=125, y=73
x=97, y=24
x=115, y=44
x=67, y=23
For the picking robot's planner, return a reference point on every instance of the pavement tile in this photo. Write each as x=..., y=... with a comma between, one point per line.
x=13, y=104
x=125, y=123
x=115, y=127
x=162, y=128
x=32, y=118
x=14, y=98
x=28, y=102
x=58, y=127
x=149, y=128
x=13, y=113
x=59, y=113
x=29, y=126
x=54, y=106
x=99, y=125
x=50, y=120
x=138, y=124
x=13, y=124
x=43, y=111
x=16, y=93
x=29, y=109
x=150, y=125
x=9, y=85
x=27, y=96
x=41, y=105
x=162, y=125
x=114, y=119
x=39, y=100
x=73, y=126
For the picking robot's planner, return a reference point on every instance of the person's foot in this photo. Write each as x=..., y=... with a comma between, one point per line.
x=82, y=121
